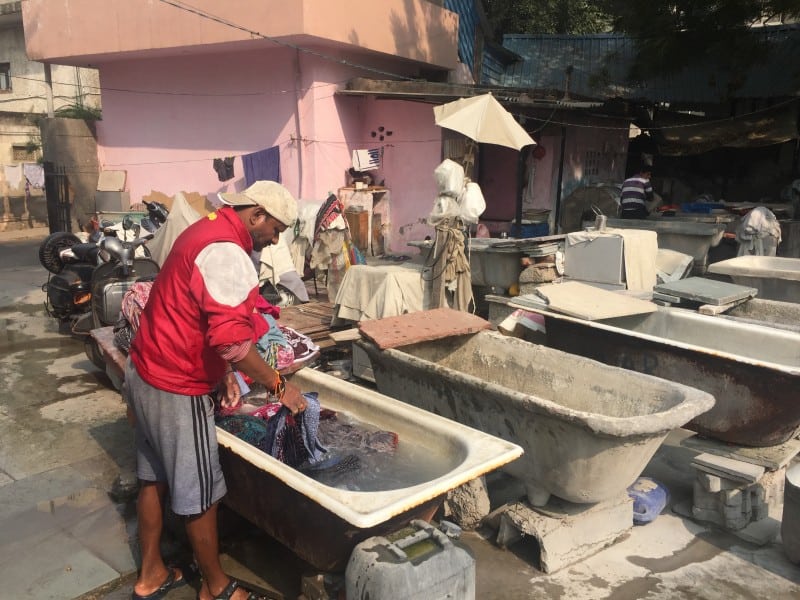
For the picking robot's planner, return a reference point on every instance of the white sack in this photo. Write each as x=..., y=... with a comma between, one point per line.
x=449, y=178
x=472, y=203
x=444, y=207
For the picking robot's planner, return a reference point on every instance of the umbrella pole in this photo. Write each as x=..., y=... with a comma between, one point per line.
x=520, y=187
x=469, y=158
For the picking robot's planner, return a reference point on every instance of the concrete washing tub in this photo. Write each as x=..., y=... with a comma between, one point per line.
x=322, y=524
x=752, y=370
x=775, y=277
x=772, y=313
x=588, y=430
x=489, y=266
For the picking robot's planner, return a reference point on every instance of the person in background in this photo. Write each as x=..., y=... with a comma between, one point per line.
x=194, y=331
x=637, y=191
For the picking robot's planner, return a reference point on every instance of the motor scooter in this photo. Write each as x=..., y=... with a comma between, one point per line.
x=70, y=264
x=108, y=284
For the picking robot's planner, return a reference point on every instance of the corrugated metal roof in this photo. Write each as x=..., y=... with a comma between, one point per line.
x=596, y=67
x=468, y=20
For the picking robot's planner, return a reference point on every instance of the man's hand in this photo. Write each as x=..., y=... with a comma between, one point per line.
x=293, y=399
x=229, y=392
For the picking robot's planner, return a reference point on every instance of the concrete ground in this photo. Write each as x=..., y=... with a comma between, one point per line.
x=67, y=530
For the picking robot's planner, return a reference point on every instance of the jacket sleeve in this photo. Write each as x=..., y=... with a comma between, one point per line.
x=225, y=285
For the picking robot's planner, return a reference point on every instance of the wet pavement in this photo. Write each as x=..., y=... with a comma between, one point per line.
x=66, y=531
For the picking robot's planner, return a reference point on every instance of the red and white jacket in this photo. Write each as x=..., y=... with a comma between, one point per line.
x=200, y=304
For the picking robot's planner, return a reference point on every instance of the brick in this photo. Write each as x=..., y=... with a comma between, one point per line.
x=760, y=512
x=711, y=483
x=703, y=499
x=747, y=501
x=736, y=524
x=734, y=512
x=712, y=516
x=732, y=498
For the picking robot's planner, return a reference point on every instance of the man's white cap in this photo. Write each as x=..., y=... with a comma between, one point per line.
x=269, y=195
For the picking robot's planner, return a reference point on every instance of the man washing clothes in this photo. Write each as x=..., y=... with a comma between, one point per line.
x=194, y=331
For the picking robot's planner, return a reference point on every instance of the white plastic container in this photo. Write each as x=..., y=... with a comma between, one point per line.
x=418, y=562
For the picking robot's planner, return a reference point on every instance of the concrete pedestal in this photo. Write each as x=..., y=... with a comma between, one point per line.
x=566, y=533
x=740, y=489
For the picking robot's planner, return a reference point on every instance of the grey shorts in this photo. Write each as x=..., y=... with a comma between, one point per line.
x=176, y=443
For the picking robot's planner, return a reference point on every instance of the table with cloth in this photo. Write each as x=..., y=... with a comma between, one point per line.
x=378, y=291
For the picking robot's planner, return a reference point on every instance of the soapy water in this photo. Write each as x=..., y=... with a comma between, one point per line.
x=364, y=458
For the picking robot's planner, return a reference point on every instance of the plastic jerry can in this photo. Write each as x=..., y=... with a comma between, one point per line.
x=416, y=562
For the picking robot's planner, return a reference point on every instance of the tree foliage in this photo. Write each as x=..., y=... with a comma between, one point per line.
x=669, y=34
x=546, y=16
x=672, y=34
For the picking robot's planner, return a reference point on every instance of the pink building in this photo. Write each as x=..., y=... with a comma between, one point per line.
x=182, y=87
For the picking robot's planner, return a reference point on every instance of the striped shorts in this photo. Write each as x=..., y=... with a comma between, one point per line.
x=176, y=443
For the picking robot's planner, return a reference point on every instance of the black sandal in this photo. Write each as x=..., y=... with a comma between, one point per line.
x=235, y=585
x=171, y=582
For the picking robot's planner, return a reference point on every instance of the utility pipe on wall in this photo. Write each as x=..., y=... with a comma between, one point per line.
x=48, y=86
x=560, y=180
x=297, y=98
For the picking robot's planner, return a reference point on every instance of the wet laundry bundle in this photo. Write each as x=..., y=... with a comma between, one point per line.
x=292, y=439
x=317, y=442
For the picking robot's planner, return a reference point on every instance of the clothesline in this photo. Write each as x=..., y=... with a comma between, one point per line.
x=31, y=174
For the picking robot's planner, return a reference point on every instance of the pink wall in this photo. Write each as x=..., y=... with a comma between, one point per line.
x=214, y=106
x=410, y=155
x=199, y=109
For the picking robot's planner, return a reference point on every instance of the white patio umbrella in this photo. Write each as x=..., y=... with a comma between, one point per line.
x=484, y=120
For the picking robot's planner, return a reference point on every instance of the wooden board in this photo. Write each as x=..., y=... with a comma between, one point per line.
x=312, y=319
x=588, y=302
x=412, y=328
x=346, y=335
x=771, y=457
x=706, y=291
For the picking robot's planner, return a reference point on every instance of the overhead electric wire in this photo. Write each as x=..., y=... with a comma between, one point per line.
x=178, y=4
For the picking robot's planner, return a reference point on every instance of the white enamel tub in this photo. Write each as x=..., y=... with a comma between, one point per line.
x=322, y=524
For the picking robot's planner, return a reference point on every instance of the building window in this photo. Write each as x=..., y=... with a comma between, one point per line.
x=20, y=153
x=5, y=77
x=592, y=163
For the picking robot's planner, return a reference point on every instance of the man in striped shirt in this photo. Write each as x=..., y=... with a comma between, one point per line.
x=636, y=192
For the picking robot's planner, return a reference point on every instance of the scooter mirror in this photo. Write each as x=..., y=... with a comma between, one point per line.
x=127, y=223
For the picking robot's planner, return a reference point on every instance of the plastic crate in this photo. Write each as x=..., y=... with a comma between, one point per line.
x=700, y=207
x=530, y=230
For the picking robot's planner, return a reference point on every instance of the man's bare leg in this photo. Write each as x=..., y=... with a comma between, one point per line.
x=204, y=538
x=150, y=514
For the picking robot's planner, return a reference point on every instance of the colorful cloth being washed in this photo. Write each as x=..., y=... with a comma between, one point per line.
x=292, y=439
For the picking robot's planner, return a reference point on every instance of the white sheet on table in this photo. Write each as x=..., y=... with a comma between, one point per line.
x=375, y=292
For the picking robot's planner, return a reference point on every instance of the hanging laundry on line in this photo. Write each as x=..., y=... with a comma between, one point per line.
x=34, y=173
x=224, y=168
x=264, y=165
